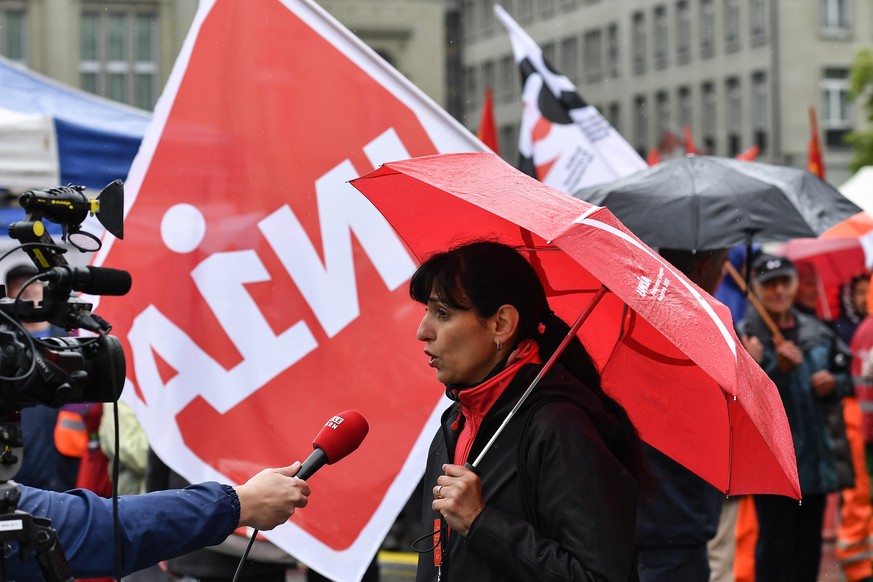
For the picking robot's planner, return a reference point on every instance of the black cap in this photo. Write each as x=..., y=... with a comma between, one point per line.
x=768, y=267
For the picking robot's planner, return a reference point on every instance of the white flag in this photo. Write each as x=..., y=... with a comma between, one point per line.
x=563, y=141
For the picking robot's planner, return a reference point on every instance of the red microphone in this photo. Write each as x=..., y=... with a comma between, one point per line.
x=340, y=435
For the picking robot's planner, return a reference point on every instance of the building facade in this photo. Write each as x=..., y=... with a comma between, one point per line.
x=125, y=49
x=736, y=72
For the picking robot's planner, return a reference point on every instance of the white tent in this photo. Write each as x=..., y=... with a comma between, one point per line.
x=859, y=188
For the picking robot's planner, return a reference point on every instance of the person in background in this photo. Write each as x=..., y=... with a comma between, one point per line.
x=853, y=303
x=789, y=533
x=54, y=439
x=854, y=544
x=681, y=516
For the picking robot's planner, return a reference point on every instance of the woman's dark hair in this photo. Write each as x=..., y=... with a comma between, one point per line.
x=484, y=275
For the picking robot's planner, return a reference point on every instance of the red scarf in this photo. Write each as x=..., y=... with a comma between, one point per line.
x=475, y=402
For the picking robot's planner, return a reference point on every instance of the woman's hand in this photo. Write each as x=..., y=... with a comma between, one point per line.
x=458, y=497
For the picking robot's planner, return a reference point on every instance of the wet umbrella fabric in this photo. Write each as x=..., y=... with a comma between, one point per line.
x=666, y=350
x=709, y=202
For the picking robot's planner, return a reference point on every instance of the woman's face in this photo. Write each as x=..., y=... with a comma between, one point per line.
x=460, y=344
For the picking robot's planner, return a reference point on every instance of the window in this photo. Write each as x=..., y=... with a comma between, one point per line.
x=471, y=90
x=613, y=114
x=507, y=85
x=836, y=120
x=758, y=21
x=486, y=17
x=709, y=119
x=569, y=65
x=549, y=53
x=593, y=56
x=525, y=10
x=684, y=106
x=639, y=42
x=760, y=111
x=508, y=140
x=660, y=37
x=468, y=18
x=734, y=119
x=662, y=111
x=732, y=24
x=613, y=51
x=683, y=31
x=119, y=54
x=835, y=15
x=13, y=32
x=487, y=75
x=707, y=28
x=641, y=125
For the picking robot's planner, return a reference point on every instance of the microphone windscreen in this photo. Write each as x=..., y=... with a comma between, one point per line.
x=341, y=434
x=106, y=281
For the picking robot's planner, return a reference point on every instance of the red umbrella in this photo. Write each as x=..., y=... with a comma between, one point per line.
x=672, y=359
x=835, y=261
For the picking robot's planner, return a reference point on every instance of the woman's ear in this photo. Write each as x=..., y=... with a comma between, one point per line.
x=506, y=324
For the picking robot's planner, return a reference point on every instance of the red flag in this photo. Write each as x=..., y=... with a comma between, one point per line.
x=749, y=154
x=487, y=128
x=814, y=159
x=653, y=157
x=282, y=292
x=690, y=148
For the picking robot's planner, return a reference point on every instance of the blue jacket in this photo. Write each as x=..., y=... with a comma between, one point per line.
x=154, y=527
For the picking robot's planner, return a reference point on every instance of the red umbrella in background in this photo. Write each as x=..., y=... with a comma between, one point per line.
x=834, y=260
x=666, y=350
x=856, y=225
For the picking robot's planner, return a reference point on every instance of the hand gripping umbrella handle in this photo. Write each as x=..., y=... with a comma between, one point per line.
x=546, y=367
x=778, y=338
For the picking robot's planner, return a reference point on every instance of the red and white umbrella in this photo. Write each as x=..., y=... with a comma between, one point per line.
x=667, y=351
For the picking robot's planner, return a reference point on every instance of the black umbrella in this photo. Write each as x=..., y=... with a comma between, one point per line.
x=708, y=202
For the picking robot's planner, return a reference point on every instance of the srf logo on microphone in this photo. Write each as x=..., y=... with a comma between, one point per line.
x=334, y=422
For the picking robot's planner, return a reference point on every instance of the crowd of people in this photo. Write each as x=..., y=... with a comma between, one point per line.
x=569, y=493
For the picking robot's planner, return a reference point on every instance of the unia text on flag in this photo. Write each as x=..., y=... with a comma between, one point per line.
x=487, y=132
x=269, y=294
x=814, y=158
x=563, y=141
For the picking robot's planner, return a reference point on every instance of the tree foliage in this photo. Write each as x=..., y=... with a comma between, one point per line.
x=861, y=89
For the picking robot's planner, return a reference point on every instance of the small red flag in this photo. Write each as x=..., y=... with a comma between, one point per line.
x=690, y=148
x=653, y=157
x=487, y=128
x=814, y=160
x=749, y=154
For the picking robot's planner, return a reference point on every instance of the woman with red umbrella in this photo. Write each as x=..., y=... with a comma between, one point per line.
x=555, y=496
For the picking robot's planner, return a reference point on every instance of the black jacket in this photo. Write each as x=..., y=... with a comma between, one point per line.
x=558, y=504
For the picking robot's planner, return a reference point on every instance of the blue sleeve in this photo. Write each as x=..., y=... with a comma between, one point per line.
x=153, y=527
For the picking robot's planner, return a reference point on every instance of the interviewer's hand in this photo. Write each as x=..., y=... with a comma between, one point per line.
x=269, y=498
x=458, y=496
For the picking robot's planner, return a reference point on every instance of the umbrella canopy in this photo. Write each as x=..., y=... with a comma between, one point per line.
x=708, y=202
x=834, y=260
x=672, y=359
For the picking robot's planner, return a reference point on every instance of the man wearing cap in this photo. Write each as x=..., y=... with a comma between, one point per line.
x=799, y=358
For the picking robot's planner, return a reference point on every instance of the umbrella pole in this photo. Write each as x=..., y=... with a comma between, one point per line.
x=546, y=367
x=778, y=338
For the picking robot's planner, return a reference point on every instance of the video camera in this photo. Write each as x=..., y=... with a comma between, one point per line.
x=60, y=370
x=55, y=370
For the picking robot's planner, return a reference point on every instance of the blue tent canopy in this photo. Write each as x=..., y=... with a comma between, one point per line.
x=91, y=140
